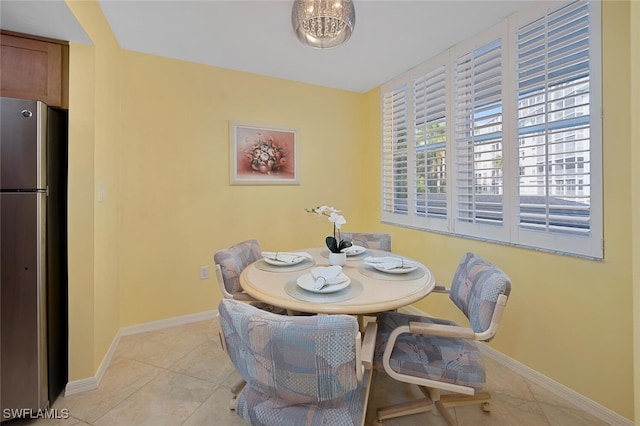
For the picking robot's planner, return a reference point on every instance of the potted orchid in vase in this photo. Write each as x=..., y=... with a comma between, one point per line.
x=334, y=243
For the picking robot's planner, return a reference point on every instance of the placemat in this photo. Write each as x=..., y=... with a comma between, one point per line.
x=325, y=253
x=261, y=264
x=372, y=272
x=293, y=290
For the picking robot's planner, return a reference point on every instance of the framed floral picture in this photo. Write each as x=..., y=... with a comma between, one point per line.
x=263, y=155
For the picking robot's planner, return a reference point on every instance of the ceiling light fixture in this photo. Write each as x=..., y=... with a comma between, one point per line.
x=323, y=23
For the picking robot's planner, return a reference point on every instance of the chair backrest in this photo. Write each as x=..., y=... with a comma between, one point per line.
x=233, y=260
x=300, y=359
x=372, y=240
x=476, y=288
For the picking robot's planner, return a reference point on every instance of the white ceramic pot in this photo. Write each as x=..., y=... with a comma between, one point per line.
x=339, y=259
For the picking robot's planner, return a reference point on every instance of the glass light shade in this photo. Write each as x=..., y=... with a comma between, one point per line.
x=323, y=23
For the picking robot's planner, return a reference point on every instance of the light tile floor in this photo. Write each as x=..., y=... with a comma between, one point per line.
x=180, y=376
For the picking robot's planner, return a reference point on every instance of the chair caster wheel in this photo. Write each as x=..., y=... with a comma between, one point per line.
x=486, y=407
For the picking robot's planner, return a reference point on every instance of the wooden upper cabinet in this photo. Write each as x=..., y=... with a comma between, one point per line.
x=34, y=68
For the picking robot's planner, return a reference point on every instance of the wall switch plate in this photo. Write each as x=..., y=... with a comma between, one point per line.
x=204, y=272
x=101, y=192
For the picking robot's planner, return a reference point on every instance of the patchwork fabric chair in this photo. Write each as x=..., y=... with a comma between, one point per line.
x=299, y=370
x=372, y=240
x=437, y=354
x=229, y=264
x=376, y=241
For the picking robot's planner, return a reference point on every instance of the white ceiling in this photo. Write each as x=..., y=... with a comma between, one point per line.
x=390, y=36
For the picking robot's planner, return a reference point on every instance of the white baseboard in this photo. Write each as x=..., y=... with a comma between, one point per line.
x=82, y=385
x=568, y=394
x=165, y=323
x=92, y=383
x=579, y=400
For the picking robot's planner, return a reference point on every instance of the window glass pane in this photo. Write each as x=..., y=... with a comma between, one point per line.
x=499, y=138
x=430, y=174
x=478, y=136
x=553, y=122
x=395, y=143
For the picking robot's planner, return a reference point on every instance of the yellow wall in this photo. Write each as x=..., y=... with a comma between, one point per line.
x=570, y=319
x=80, y=211
x=94, y=122
x=156, y=134
x=635, y=190
x=177, y=205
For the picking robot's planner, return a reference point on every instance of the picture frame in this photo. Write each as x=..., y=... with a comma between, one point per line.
x=263, y=155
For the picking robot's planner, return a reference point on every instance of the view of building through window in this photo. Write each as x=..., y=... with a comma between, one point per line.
x=457, y=150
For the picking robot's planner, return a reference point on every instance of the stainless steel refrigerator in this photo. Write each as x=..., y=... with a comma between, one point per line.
x=33, y=269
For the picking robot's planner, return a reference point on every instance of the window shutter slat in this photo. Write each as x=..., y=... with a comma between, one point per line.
x=553, y=123
x=430, y=173
x=394, y=161
x=526, y=93
x=478, y=105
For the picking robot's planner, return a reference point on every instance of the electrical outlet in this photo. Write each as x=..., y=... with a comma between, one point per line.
x=204, y=272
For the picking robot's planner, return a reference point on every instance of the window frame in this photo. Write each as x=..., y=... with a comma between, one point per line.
x=509, y=232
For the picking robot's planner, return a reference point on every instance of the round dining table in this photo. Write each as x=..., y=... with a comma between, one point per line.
x=369, y=291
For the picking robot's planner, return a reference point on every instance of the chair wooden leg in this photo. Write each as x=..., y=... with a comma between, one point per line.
x=410, y=407
x=404, y=409
x=237, y=387
x=455, y=400
x=445, y=414
x=432, y=399
x=460, y=400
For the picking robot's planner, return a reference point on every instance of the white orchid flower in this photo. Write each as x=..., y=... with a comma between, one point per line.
x=337, y=219
x=323, y=209
x=334, y=243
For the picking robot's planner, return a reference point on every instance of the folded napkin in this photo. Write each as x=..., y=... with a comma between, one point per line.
x=352, y=249
x=286, y=256
x=327, y=275
x=389, y=262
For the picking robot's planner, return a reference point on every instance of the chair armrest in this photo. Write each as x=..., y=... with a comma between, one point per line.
x=442, y=330
x=388, y=349
x=369, y=345
x=223, y=340
x=440, y=289
x=220, y=280
x=365, y=349
x=243, y=297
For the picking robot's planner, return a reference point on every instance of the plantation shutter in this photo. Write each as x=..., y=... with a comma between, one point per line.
x=395, y=151
x=553, y=95
x=429, y=121
x=499, y=138
x=478, y=137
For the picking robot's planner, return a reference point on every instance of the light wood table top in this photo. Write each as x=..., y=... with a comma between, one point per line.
x=370, y=290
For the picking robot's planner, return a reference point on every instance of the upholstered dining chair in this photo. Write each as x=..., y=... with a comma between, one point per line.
x=437, y=354
x=372, y=240
x=299, y=370
x=229, y=264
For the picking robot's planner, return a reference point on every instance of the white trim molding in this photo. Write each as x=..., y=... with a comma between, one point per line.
x=562, y=391
x=92, y=383
x=166, y=323
x=582, y=402
x=597, y=410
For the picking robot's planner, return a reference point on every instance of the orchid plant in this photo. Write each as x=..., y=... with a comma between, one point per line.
x=334, y=243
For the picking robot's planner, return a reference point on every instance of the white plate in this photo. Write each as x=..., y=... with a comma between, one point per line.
x=275, y=262
x=355, y=250
x=307, y=282
x=404, y=270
